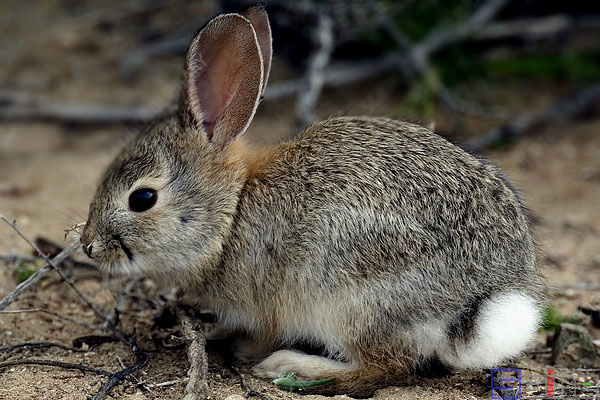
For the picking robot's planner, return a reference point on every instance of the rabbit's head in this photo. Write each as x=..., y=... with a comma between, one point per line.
x=167, y=201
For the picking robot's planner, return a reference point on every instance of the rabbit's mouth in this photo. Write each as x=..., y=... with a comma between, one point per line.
x=125, y=249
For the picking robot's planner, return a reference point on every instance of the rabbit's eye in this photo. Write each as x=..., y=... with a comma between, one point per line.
x=142, y=199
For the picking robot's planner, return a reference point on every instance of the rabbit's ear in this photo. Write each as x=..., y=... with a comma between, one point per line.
x=260, y=21
x=223, y=79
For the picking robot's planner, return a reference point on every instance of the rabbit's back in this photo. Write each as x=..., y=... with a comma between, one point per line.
x=373, y=205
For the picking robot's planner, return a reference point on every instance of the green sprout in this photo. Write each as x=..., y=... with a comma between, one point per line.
x=289, y=382
x=552, y=317
x=24, y=269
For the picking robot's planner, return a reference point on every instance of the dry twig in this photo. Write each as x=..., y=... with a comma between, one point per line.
x=118, y=377
x=55, y=266
x=34, y=279
x=58, y=364
x=14, y=258
x=38, y=345
x=193, y=332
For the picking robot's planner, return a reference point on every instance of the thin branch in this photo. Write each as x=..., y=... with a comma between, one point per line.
x=445, y=36
x=15, y=106
x=120, y=376
x=167, y=383
x=55, y=266
x=336, y=75
x=307, y=100
x=58, y=364
x=38, y=345
x=55, y=314
x=193, y=332
x=526, y=27
x=34, y=279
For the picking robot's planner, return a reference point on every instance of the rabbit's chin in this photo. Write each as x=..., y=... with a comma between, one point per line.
x=165, y=269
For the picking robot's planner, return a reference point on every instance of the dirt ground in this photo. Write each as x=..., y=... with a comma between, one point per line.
x=48, y=175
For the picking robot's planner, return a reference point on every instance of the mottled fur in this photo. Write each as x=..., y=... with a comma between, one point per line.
x=375, y=239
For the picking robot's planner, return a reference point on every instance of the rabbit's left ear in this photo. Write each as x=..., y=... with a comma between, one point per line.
x=223, y=79
x=260, y=21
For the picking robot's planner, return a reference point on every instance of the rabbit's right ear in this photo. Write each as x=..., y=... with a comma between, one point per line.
x=223, y=79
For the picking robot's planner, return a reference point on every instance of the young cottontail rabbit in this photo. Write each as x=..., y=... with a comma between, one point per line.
x=374, y=239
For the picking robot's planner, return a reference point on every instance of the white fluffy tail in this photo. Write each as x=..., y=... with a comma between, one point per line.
x=504, y=326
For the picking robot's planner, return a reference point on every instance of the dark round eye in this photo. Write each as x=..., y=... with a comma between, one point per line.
x=142, y=199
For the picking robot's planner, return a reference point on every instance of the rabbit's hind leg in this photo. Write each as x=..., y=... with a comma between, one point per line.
x=339, y=377
x=307, y=366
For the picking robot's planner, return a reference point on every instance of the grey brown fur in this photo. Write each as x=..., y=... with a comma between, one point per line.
x=347, y=238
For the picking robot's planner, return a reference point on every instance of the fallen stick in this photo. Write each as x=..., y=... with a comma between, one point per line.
x=193, y=332
x=96, y=114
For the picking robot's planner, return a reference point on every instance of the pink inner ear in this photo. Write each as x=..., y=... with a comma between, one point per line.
x=213, y=87
x=224, y=75
x=205, y=90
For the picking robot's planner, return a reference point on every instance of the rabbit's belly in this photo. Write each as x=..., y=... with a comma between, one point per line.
x=502, y=328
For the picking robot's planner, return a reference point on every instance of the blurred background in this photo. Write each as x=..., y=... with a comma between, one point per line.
x=518, y=81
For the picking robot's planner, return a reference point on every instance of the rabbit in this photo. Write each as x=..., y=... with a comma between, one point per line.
x=373, y=239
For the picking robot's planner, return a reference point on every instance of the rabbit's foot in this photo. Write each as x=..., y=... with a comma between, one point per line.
x=320, y=375
x=303, y=365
